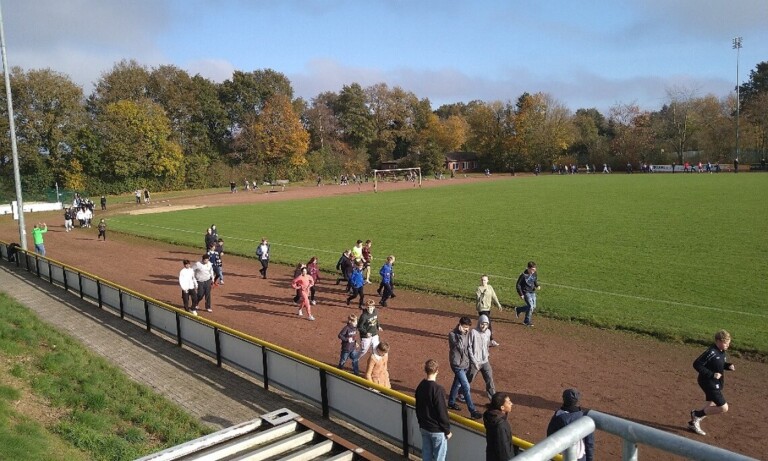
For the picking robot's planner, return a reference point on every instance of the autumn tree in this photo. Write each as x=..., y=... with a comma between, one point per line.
x=633, y=134
x=127, y=80
x=246, y=93
x=137, y=143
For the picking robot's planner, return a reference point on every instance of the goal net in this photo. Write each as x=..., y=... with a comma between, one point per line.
x=397, y=174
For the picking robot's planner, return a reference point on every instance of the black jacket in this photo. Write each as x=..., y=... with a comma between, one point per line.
x=498, y=436
x=526, y=283
x=712, y=361
x=565, y=416
x=431, y=410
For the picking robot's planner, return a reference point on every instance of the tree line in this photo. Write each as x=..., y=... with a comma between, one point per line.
x=164, y=129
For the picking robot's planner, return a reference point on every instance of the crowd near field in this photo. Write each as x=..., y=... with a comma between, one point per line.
x=674, y=256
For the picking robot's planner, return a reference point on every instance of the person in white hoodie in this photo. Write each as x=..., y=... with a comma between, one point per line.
x=479, y=354
x=188, y=285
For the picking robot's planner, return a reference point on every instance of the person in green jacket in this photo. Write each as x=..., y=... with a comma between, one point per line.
x=37, y=236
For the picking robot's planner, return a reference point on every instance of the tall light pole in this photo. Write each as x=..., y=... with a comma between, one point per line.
x=737, y=47
x=14, y=150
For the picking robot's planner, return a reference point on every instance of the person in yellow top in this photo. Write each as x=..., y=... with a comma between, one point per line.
x=357, y=251
x=37, y=237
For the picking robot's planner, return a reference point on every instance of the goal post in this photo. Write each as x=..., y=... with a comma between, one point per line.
x=397, y=174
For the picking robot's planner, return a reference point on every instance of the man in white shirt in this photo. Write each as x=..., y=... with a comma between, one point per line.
x=188, y=285
x=204, y=276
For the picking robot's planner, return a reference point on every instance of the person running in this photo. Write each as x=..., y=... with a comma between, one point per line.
x=387, y=274
x=102, y=230
x=357, y=283
x=314, y=272
x=262, y=252
x=369, y=328
x=711, y=366
x=303, y=283
x=345, y=265
x=367, y=258
x=349, y=345
x=527, y=286
x=486, y=297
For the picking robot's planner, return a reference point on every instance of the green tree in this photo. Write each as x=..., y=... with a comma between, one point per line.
x=126, y=80
x=137, y=142
x=49, y=112
x=354, y=117
x=247, y=93
x=591, y=137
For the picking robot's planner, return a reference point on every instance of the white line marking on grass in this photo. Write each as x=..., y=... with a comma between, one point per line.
x=478, y=274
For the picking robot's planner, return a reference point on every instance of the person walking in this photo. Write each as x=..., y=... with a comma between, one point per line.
x=102, y=230
x=432, y=415
x=711, y=366
x=387, y=273
x=314, y=272
x=345, y=266
x=565, y=415
x=215, y=259
x=458, y=342
x=485, y=297
x=262, y=252
x=527, y=286
x=204, y=276
x=37, y=237
x=349, y=345
x=377, y=370
x=498, y=432
x=188, y=285
x=303, y=283
x=479, y=355
x=369, y=328
x=357, y=281
x=367, y=258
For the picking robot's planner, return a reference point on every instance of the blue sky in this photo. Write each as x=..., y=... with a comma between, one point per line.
x=585, y=54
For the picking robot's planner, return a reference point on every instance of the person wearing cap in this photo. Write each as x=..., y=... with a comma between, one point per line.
x=479, y=354
x=486, y=298
x=498, y=432
x=527, y=286
x=565, y=415
x=432, y=415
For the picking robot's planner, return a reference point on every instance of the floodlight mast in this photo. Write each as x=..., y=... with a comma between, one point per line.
x=737, y=47
x=14, y=150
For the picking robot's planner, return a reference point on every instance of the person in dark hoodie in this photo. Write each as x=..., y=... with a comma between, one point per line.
x=498, y=432
x=565, y=415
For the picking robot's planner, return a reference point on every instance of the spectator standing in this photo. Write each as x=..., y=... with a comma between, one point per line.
x=103, y=203
x=479, y=355
x=102, y=230
x=146, y=196
x=37, y=237
x=204, y=276
x=357, y=283
x=711, y=366
x=262, y=252
x=432, y=415
x=303, y=283
x=458, y=342
x=387, y=274
x=137, y=194
x=349, y=345
x=377, y=370
x=565, y=415
x=369, y=328
x=498, y=432
x=736, y=165
x=188, y=285
x=486, y=297
x=527, y=285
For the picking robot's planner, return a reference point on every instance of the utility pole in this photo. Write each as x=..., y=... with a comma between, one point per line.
x=737, y=47
x=14, y=150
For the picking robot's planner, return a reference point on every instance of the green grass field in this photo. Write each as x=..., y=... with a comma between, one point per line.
x=677, y=257
x=58, y=401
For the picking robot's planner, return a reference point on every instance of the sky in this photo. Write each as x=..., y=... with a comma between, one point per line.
x=583, y=53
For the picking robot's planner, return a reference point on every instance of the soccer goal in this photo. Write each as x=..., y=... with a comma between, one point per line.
x=397, y=174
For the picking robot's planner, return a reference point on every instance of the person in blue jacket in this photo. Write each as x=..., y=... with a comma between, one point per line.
x=357, y=284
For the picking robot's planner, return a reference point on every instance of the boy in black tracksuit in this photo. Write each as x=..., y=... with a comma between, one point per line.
x=711, y=366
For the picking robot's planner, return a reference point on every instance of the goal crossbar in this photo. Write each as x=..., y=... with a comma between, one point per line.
x=395, y=173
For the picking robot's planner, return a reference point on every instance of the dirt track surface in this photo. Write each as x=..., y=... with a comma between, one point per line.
x=634, y=377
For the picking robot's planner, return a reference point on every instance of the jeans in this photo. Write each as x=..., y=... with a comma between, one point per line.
x=434, y=446
x=460, y=381
x=218, y=274
x=530, y=306
x=354, y=355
